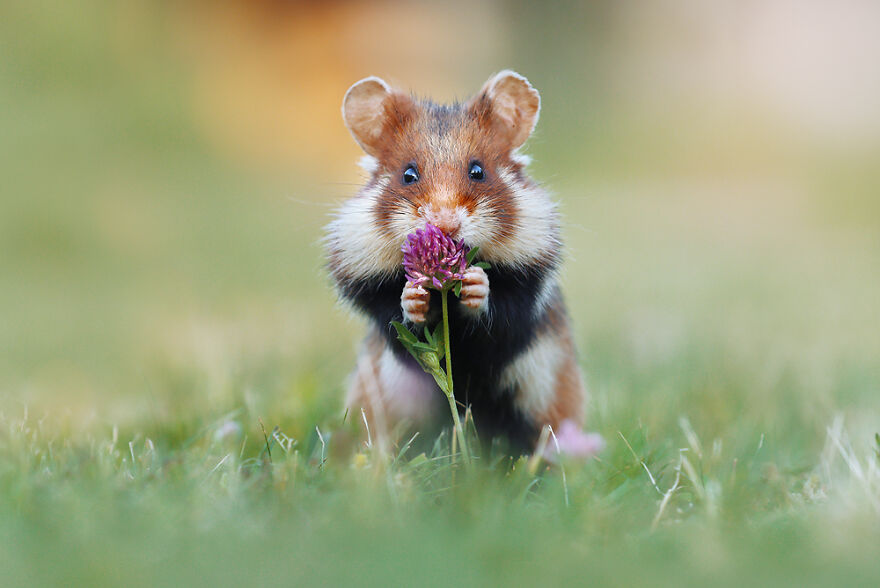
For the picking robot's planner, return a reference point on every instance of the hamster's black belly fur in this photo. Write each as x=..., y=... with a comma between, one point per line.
x=482, y=347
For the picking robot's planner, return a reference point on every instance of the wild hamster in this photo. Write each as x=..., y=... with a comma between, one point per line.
x=457, y=166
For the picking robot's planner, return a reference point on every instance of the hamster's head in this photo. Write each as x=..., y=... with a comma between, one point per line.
x=456, y=166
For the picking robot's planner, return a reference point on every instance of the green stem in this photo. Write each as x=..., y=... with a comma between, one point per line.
x=459, y=431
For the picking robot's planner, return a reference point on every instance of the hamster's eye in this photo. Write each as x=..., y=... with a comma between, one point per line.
x=476, y=171
x=410, y=175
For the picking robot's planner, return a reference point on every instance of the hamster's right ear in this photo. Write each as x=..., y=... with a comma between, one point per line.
x=366, y=109
x=511, y=105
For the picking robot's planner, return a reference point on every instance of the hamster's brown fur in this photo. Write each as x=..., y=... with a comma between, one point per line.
x=514, y=359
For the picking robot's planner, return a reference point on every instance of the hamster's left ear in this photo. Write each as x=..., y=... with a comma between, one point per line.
x=374, y=113
x=363, y=110
x=511, y=104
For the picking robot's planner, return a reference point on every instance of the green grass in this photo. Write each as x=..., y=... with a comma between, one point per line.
x=125, y=508
x=159, y=305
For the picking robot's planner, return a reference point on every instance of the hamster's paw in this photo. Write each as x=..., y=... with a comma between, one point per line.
x=414, y=303
x=475, y=289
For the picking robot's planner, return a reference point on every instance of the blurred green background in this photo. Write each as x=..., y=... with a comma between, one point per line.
x=168, y=166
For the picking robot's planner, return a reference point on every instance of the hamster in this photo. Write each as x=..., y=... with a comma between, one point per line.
x=458, y=167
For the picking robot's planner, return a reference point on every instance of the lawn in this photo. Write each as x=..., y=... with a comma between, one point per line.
x=173, y=360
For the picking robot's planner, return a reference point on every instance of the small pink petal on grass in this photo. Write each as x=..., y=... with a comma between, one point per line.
x=228, y=430
x=573, y=443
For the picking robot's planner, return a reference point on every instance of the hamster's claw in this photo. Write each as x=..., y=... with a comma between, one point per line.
x=414, y=303
x=475, y=289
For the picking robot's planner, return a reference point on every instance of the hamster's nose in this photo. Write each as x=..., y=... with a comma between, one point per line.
x=445, y=219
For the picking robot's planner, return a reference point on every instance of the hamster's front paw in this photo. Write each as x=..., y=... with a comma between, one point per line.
x=414, y=302
x=475, y=289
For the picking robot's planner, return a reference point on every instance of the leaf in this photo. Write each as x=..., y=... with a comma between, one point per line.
x=417, y=461
x=421, y=346
x=457, y=288
x=415, y=347
x=429, y=337
x=414, y=352
x=403, y=333
x=471, y=255
x=440, y=378
x=483, y=264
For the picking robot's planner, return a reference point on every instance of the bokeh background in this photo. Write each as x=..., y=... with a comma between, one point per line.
x=167, y=168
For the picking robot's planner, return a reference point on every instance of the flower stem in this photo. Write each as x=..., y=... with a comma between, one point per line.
x=459, y=431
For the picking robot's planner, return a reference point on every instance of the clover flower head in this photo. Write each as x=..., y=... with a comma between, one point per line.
x=431, y=258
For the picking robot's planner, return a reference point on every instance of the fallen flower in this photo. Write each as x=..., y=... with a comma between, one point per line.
x=571, y=442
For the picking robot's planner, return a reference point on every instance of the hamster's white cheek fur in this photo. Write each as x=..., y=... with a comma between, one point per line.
x=534, y=373
x=358, y=245
x=521, y=158
x=536, y=234
x=479, y=229
x=369, y=164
